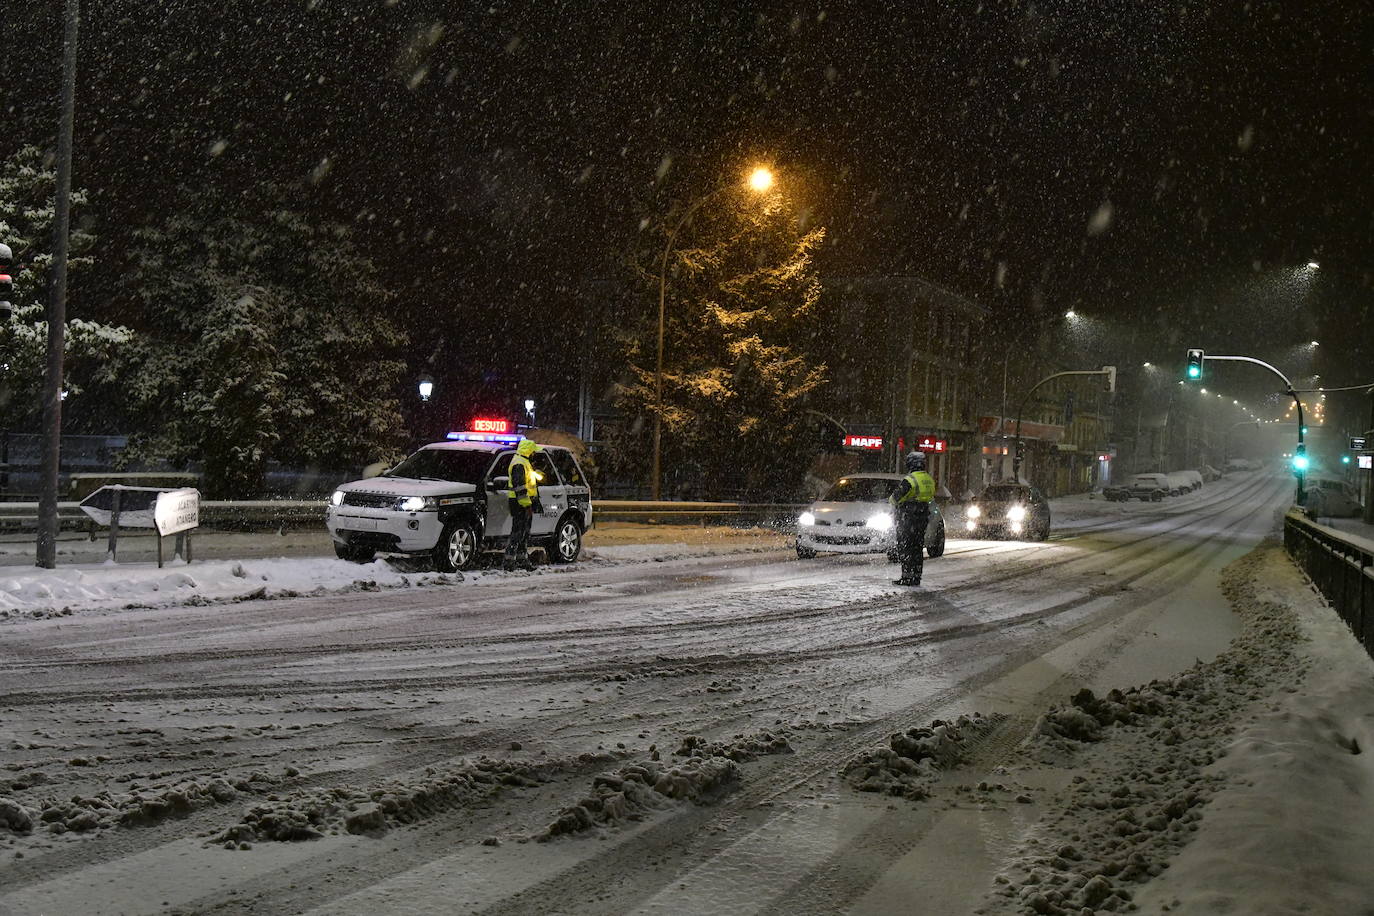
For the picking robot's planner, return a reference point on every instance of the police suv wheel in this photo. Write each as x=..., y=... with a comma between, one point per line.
x=456, y=550
x=567, y=542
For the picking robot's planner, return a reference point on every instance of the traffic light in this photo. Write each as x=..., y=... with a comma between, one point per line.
x=1110, y=373
x=1345, y=459
x=1300, y=460
x=6, y=282
x=1195, y=358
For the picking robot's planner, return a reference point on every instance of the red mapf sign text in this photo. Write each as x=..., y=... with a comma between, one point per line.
x=868, y=442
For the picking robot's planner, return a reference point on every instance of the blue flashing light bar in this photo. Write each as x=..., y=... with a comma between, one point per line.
x=483, y=437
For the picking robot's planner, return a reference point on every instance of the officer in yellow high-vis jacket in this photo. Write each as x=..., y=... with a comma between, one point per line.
x=911, y=508
x=523, y=496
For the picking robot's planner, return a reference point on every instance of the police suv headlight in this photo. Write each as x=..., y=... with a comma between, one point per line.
x=806, y=518
x=414, y=503
x=336, y=498
x=881, y=522
x=973, y=512
x=1016, y=513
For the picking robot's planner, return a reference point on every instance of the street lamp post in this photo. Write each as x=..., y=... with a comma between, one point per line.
x=760, y=180
x=46, y=557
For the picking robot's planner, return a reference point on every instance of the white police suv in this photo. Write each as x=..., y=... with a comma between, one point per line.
x=447, y=501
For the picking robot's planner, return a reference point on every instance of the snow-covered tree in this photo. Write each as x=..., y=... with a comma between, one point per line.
x=261, y=336
x=28, y=185
x=742, y=306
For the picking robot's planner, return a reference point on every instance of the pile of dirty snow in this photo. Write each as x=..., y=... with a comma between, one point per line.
x=710, y=769
x=912, y=760
x=373, y=810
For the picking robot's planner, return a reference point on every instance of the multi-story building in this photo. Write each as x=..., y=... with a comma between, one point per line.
x=905, y=374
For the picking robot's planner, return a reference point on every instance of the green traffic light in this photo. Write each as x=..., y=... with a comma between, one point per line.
x=1299, y=462
x=1304, y=430
x=1194, y=372
x=1345, y=459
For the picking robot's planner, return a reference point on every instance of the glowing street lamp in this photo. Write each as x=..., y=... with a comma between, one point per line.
x=426, y=387
x=761, y=179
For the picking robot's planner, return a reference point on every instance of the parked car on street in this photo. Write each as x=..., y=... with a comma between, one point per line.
x=1008, y=508
x=854, y=516
x=1332, y=498
x=1151, y=487
x=446, y=502
x=1179, y=483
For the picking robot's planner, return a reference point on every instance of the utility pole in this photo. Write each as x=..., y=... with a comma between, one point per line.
x=1369, y=473
x=1109, y=372
x=57, y=301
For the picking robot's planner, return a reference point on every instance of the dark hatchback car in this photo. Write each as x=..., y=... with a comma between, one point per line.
x=1009, y=509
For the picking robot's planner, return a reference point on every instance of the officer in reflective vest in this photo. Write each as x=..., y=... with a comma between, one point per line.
x=911, y=508
x=523, y=496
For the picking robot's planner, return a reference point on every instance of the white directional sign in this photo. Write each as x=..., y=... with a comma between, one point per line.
x=177, y=510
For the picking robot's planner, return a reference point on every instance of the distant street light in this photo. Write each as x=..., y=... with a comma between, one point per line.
x=1315, y=344
x=759, y=181
x=1148, y=365
x=426, y=387
x=529, y=409
x=1312, y=265
x=1071, y=314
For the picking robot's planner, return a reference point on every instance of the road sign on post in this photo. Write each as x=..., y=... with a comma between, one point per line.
x=165, y=511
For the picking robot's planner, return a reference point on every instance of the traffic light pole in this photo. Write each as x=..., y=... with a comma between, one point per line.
x=57, y=303
x=1108, y=371
x=1302, y=424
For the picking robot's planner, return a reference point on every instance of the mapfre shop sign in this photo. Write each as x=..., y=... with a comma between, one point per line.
x=871, y=443
x=176, y=510
x=927, y=444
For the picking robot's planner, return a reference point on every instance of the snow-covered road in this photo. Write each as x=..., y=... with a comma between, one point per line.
x=428, y=750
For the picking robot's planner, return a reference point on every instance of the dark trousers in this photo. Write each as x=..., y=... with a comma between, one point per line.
x=911, y=539
x=521, y=517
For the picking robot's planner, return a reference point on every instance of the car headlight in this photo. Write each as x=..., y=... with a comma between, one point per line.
x=972, y=512
x=414, y=503
x=806, y=518
x=1016, y=513
x=336, y=498
x=880, y=522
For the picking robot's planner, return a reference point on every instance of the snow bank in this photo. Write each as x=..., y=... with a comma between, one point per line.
x=914, y=759
x=48, y=593
x=710, y=769
x=309, y=814
x=1242, y=777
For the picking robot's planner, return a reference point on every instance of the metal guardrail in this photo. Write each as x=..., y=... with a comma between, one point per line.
x=261, y=514
x=1342, y=571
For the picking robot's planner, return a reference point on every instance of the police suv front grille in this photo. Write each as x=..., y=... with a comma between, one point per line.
x=369, y=500
x=373, y=540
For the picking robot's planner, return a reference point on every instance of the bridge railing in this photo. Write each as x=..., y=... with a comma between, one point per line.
x=1340, y=568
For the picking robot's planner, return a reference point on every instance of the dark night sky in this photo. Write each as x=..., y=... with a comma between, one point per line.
x=1161, y=168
